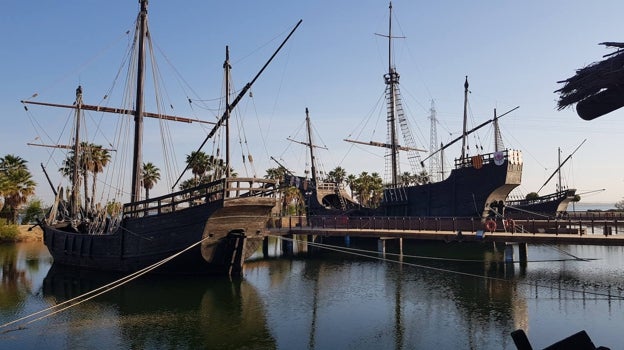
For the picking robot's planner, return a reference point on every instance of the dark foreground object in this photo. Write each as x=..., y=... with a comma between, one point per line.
x=577, y=341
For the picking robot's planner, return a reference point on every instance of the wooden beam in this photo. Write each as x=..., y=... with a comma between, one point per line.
x=121, y=111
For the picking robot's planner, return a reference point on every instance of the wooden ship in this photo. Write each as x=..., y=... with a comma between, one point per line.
x=321, y=197
x=475, y=182
x=211, y=227
x=551, y=205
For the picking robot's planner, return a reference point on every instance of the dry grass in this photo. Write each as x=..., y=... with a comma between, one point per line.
x=36, y=234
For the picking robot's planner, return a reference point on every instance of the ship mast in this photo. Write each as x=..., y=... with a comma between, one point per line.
x=75, y=170
x=559, y=168
x=138, y=114
x=226, y=68
x=464, y=133
x=392, y=79
x=498, y=138
x=310, y=144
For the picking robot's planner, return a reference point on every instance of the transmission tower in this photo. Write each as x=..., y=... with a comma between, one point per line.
x=435, y=170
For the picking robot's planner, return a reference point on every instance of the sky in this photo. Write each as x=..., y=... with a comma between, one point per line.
x=513, y=53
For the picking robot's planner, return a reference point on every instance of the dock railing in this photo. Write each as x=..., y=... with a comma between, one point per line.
x=465, y=224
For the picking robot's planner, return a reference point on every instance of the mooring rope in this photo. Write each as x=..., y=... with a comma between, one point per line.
x=425, y=257
x=55, y=309
x=552, y=246
x=608, y=296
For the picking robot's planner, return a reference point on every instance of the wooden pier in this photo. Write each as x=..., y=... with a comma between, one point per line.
x=561, y=231
x=521, y=232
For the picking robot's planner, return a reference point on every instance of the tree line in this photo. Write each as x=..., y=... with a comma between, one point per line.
x=366, y=188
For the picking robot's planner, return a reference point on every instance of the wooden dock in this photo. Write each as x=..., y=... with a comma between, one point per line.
x=449, y=236
x=596, y=232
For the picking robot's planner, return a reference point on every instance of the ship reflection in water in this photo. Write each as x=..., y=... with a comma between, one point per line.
x=324, y=299
x=166, y=311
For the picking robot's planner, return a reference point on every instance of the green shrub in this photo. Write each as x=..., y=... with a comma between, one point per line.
x=8, y=233
x=33, y=211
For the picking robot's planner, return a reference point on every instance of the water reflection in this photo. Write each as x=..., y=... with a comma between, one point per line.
x=157, y=311
x=321, y=299
x=20, y=264
x=397, y=306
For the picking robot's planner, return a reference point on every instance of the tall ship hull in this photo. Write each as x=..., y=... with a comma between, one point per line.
x=467, y=192
x=229, y=229
x=548, y=206
x=324, y=198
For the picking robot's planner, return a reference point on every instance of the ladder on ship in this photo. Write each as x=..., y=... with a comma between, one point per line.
x=341, y=200
x=413, y=156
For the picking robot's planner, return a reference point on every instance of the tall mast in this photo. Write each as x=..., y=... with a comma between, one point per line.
x=76, y=165
x=312, y=160
x=498, y=138
x=463, y=154
x=226, y=68
x=559, y=167
x=138, y=115
x=391, y=79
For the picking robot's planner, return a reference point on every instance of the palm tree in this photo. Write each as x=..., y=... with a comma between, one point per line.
x=351, y=181
x=199, y=163
x=376, y=189
x=292, y=195
x=67, y=170
x=423, y=177
x=12, y=162
x=276, y=174
x=406, y=178
x=368, y=188
x=92, y=159
x=8, y=163
x=338, y=175
x=150, y=176
x=16, y=184
x=98, y=158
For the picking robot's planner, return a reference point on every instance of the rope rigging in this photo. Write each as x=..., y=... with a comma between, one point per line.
x=375, y=256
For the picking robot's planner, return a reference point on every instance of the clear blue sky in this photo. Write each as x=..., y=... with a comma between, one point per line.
x=513, y=52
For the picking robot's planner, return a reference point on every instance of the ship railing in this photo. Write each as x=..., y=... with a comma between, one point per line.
x=606, y=226
x=514, y=157
x=407, y=223
x=541, y=199
x=251, y=187
x=203, y=193
x=326, y=186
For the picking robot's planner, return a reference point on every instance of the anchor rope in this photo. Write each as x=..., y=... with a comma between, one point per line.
x=55, y=309
x=608, y=296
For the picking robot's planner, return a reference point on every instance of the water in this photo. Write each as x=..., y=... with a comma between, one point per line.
x=582, y=206
x=326, y=300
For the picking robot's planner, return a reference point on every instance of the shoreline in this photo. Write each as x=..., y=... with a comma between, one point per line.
x=26, y=234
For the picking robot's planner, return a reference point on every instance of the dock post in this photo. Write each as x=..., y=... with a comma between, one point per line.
x=309, y=243
x=265, y=247
x=522, y=251
x=508, y=253
x=401, y=246
x=381, y=246
x=347, y=241
x=287, y=245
